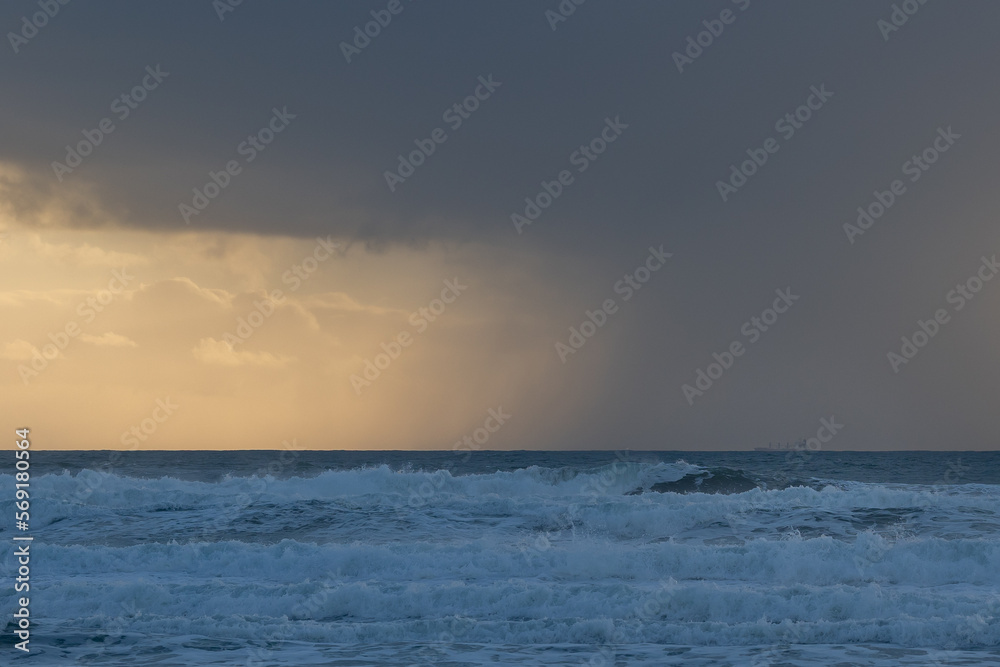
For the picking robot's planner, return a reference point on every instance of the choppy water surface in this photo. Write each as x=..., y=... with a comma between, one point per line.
x=570, y=558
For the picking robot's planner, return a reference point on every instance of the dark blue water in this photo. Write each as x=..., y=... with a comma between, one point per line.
x=870, y=467
x=510, y=558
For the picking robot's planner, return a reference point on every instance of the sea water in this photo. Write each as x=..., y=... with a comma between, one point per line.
x=509, y=558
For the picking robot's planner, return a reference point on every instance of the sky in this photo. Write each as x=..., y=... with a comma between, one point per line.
x=518, y=225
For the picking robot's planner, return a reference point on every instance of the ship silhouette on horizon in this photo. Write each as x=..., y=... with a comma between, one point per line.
x=798, y=445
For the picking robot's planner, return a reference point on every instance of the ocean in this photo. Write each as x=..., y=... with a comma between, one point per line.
x=593, y=559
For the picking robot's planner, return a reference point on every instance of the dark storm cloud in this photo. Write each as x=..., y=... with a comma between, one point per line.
x=557, y=87
x=657, y=183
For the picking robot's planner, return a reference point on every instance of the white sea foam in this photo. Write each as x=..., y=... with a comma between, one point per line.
x=531, y=557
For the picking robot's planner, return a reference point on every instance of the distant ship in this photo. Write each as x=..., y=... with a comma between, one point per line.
x=782, y=446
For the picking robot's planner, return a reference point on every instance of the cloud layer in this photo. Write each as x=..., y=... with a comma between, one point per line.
x=806, y=148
